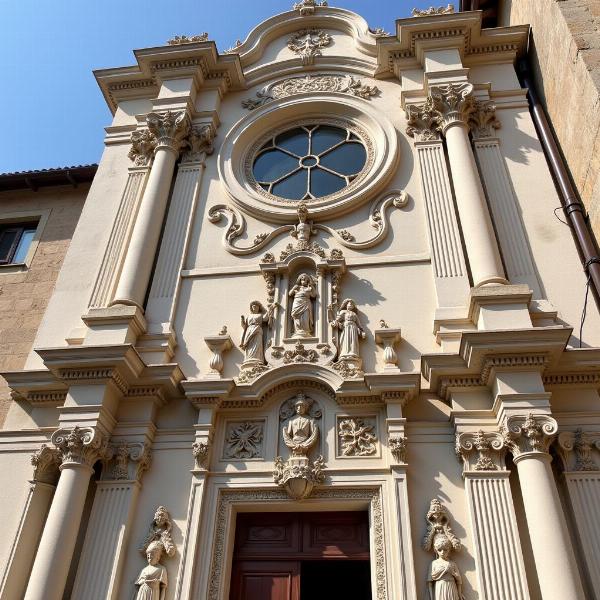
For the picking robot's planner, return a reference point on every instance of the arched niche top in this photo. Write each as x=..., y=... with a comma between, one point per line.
x=325, y=17
x=377, y=133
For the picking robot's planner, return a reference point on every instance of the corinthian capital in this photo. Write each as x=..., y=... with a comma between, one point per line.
x=481, y=451
x=424, y=122
x=453, y=102
x=531, y=434
x=143, y=144
x=45, y=464
x=169, y=128
x=80, y=445
x=127, y=461
x=579, y=450
x=199, y=143
x=482, y=120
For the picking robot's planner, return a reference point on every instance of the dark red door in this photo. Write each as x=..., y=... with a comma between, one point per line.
x=274, y=552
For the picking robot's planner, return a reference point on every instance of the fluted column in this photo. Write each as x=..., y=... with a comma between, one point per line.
x=450, y=106
x=499, y=559
x=528, y=438
x=115, y=502
x=580, y=453
x=169, y=129
x=79, y=449
x=33, y=516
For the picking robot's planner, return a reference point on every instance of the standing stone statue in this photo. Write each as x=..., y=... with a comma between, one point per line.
x=351, y=330
x=444, y=580
x=152, y=580
x=252, y=333
x=302, y=307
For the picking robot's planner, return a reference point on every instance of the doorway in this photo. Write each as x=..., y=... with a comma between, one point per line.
x=301, y=556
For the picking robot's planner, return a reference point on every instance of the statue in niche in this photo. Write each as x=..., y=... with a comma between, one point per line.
x=301, y=432
x=444, y=580
x=352, y=332
x=152, y=580
x=302, y=307
x=252, y=342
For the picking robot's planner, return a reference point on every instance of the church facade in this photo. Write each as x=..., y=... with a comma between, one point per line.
x=318, y=332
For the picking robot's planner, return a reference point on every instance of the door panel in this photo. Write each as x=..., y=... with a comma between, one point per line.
x=265, y=580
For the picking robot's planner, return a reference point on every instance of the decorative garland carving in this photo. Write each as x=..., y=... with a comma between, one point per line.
x=307, y=7
x=307, y=44
x=228, y=498
x=184, y=39
x=432, y=10
x=236, y=227
x=345, y=84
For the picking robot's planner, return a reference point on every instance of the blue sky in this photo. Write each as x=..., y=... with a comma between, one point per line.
x=52, y=107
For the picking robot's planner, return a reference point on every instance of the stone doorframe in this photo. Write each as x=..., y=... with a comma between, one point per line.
x=232, y=501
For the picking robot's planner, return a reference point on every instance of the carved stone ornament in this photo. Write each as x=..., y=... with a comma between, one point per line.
x=446, y=104
x=531, y=434
x=307, y=44
x=444, y=579
x=344, y=84
x=300, y=354
x=126, y=461
x=45, y=463
x=481, y=451
x=184, y=39
x=143, y=144
x=233, y=48
x=80, y=445
x=388, y=338
x=357, y=437
x=198, y=144
x=200, y=452
x=483, y=121
x=307, y=7
x=169, y=128
x=300, y=434
x=244, y=440
x=218, y=345
x=432, y=10
x=579, y=450
x=152, y=581
x=253, y=337
x=397, y=447
x=379, y=32
x=350, y=333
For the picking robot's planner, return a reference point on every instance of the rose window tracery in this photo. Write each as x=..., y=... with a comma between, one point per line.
x=308, y=162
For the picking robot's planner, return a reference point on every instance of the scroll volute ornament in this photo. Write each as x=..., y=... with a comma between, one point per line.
x=578, y=450
x=80, y=445
x=481, y=451
x=454, y=103
x=45, y=464
x=169, y=128
x=531, y=434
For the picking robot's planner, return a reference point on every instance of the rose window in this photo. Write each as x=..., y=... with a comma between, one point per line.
x=308, y=162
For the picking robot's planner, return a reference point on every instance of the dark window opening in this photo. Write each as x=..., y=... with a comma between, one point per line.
x=15, y=241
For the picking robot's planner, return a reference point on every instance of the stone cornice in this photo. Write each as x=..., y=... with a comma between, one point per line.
x=199, y=60
x=482, y=353
x=461, y=30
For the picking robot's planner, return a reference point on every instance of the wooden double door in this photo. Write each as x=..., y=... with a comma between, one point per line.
x=301, y=556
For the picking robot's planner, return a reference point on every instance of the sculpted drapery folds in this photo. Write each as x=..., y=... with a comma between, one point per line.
x=301, y=432
x=252, y=342
x=302, y=307
x=352, y=332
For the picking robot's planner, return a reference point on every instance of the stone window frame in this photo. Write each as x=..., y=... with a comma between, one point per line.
x=39, y=216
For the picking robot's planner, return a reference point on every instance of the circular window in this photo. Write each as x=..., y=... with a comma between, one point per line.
x=308, y=162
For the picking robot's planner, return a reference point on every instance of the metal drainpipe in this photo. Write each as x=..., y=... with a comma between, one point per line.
x=572, y=207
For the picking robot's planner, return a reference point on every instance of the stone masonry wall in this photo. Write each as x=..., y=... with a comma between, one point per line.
x=565, y=56
x=25, y=295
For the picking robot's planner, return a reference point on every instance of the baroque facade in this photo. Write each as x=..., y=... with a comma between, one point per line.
x=317, y=327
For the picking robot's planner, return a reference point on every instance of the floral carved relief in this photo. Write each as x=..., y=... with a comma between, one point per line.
x=244, y=440
x=143, y=144
x=357, y=436
x=529, y=434
x=397, y=445
x=307, y=7
x=200, y=452
x=579, y=450
x=126, y=461
x=80, y=445
x=344, y=84
x=481, y=451
x=307, y=44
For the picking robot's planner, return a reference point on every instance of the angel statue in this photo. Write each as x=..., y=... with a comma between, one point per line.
x=302, y=306
x=351, y=330
x=252, y=332
x=152, y=580
x=301, y=432
x=444, y=580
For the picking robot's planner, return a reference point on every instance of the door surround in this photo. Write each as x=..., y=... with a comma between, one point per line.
x=230, y=502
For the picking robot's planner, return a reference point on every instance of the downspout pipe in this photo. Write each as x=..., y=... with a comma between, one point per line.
x=572, y=206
